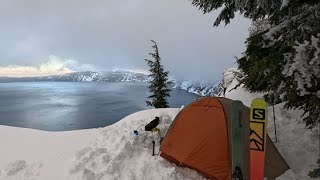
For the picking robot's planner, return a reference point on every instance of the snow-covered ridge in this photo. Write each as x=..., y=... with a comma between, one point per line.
x=210, y=88
x=109, y=76
x=200, y=88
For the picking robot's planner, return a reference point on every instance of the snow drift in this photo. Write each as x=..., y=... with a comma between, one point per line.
x=113, y=152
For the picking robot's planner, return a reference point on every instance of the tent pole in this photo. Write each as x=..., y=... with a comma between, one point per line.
x=274, y=122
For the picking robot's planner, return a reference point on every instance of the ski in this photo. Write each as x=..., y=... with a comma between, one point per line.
x=237, y=134
x=258, y=137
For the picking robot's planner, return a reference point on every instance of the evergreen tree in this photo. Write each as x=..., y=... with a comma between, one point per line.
x=159, y=83
x=283, y=50
x=284, y=58
x=316, y=172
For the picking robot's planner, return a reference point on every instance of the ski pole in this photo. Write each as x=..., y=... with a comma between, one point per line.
x=153, y=144
x=274, y=120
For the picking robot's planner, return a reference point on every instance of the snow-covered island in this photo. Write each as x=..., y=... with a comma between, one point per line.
x=114, y=152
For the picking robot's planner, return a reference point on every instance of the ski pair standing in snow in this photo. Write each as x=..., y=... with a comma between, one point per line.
x=258, y=138
x=238, y=136
x=258, y=134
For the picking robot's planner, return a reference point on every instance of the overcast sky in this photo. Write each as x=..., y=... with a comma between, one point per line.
x=40, y=37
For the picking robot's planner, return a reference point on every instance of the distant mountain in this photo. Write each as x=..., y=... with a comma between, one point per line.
x=211, y=88
x=200, y=88
x=110, y=76
x=197, y=87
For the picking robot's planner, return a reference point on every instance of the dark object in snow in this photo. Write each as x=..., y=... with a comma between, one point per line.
x=135, y=132
x=153, y=145
x=154, y=123
x=237, y=174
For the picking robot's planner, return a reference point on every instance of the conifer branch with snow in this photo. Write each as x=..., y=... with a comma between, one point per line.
x=283, y=49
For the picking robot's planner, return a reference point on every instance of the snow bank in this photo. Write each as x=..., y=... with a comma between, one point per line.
x=125, y=156
x=113, y=152
x=35, y=154
x=240, y=93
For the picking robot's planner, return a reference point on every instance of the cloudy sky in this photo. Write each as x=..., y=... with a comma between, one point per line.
x=39, y=37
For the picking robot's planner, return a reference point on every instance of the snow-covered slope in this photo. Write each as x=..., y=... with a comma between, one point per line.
x=200, y=88
x=114, y=153
x=111, y=153
x=209, y=88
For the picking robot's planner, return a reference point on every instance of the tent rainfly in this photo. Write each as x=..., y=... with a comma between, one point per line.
x=199, y=138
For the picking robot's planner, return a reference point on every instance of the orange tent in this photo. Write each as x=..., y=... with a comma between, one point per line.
x=199, y=138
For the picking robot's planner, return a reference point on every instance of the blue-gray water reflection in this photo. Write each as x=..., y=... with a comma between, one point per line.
x=61, y=106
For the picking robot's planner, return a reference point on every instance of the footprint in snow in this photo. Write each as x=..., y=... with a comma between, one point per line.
x=15, y=167
x=21, y=168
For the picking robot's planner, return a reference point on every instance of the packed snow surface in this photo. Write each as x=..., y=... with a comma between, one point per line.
x=115, y=153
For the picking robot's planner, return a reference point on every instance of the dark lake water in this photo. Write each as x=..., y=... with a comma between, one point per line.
x=62, y=106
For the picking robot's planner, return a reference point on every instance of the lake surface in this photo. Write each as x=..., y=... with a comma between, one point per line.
x=63, y=106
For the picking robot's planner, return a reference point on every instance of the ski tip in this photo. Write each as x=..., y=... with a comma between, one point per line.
x=259, y=101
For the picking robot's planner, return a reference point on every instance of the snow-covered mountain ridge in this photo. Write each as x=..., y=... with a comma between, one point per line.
x=198, y=87
x=215, y=88
x=109, y=76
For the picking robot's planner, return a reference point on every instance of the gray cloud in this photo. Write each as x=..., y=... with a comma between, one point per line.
x=115, y=34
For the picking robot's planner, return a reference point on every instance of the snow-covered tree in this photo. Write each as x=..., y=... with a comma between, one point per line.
x=283, y=49
x=159, y=83
x=254, y=9
x=316, y=172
